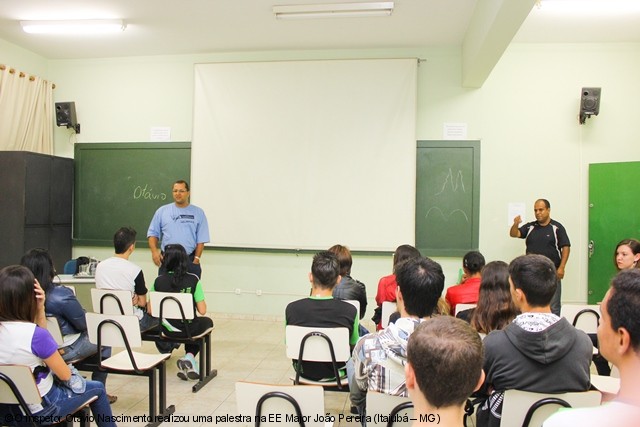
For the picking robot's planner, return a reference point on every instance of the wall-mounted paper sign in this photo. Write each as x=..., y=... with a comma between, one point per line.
x=454, y=131
x=160, y=133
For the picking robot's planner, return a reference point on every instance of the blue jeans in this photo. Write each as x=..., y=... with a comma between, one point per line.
x=82, y=348
x=352, y=387
x=59, y=402
x=148, y=322
x=362, y=331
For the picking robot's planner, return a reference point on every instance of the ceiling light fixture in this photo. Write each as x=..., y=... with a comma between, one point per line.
x=79, y=26
x=336, y=10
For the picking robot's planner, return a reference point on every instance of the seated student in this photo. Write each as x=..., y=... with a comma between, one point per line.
x=538, y=351
x=444, y=367
x=349, y=288
x=379, y=357
x=322, y=310
x=467, y=291
x=24, y=340
x=442, y=309
x=118, y=273
x=495, y=309
x=387, y=285
x=627, y=254
x=178, y=279
x=619, y=337
x=62, y=304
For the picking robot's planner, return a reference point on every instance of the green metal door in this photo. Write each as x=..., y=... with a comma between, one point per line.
x=614, y=214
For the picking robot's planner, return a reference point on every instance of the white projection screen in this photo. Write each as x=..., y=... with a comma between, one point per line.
x=306, y=154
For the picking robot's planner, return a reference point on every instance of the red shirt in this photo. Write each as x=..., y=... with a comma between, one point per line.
x=464, y=293
x=386, y=289
x=386, y=292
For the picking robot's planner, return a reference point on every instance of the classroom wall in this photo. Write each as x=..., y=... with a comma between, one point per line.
x=22, y=59
x=526, y=115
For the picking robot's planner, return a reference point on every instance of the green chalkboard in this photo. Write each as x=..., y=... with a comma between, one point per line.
x=447, y=197
x=122, y=184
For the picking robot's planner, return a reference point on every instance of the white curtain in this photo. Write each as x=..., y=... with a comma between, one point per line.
x=26, y=112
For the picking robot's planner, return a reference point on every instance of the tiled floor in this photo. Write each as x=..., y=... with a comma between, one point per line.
x=251, y=350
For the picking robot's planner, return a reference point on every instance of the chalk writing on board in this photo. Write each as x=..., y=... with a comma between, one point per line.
x=147, y=193
x=447, y=217
x=458, y=182
x=452, y=183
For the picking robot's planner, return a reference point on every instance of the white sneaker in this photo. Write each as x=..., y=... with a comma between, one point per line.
x=182, y=369
x=189, y=368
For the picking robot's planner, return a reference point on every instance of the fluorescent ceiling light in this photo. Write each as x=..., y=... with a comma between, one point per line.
x=336, y=10
x=79, y=26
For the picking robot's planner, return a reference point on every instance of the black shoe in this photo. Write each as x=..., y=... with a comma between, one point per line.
x=166, y=347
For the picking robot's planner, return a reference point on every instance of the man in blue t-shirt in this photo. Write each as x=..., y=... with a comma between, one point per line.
x=547, y=237
x=179, y=223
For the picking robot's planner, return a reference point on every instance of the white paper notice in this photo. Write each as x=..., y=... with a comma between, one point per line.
x=515, y=209
x=454, y=131
x=160, y=134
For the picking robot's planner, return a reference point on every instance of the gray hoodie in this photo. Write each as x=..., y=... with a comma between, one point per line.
x=554, y=360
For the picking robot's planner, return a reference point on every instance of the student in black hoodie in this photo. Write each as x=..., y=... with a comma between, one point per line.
x=538, y=351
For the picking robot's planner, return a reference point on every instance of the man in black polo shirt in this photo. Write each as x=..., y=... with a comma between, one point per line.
x=547, y=237
x=320, y=309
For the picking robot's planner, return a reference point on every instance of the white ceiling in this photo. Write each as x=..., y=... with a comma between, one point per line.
x=159, y=27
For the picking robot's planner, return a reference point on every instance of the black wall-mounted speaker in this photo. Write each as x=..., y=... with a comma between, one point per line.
x=66, y=114
x=590, y=101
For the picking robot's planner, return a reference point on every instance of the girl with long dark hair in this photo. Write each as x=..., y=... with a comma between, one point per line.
x=24, y=340
x=177, y=279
